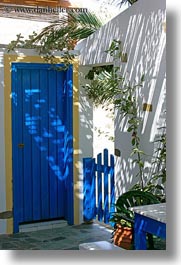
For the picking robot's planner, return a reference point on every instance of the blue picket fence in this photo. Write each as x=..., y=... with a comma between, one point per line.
x=98, y=187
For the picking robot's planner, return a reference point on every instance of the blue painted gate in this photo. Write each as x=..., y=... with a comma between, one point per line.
x=42, y=143
x=98, y=187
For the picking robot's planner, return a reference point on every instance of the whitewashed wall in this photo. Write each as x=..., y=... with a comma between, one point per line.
x=103, y=131
x=11, y=27
x=85, y=133
x=140, y=28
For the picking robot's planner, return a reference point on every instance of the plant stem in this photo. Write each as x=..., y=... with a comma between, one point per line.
x=141, y=172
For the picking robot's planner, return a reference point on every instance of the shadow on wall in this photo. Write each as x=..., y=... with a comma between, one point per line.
x=86, y=114
x=141, y=30
x=85, y=136
x=145, y=41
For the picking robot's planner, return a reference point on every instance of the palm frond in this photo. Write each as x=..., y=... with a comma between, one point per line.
x=90, y=20
x=122, y=2
x=60, y=34
x=77, y=25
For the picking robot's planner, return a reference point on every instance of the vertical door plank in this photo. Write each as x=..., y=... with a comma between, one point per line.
x=19, y=124
x=17, y=153
x=35, y=134
x=44, y=129
x=27, y=123
x=60, y=142
x=52, y=156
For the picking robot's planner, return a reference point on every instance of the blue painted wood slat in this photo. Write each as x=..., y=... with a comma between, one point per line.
x=35, y=134
x=99, y=176
x=105, y=187
x=20, y=155
x=27, y=123
x=43, y=144
x=106, y=201
x=112, y=189
x=16, y=155
x=60, y=130
x=89, y=189
x=52, y=156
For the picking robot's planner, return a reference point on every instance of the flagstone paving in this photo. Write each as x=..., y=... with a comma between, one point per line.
x=65, y=238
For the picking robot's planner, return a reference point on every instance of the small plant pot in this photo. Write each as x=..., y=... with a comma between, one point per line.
x=123, y=237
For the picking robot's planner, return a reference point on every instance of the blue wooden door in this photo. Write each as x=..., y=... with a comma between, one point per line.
x=42, y=143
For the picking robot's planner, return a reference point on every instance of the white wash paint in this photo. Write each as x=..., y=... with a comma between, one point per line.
x=140, y=28
x=85, y=134
x=11, y=27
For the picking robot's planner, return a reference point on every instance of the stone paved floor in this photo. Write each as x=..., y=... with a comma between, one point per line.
x=64, y=238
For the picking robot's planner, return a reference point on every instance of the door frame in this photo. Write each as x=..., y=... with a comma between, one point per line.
x=21, y=57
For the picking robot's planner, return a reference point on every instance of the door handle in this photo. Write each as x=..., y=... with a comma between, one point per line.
x=21, y=145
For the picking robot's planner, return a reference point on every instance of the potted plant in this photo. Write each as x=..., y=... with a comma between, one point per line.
x=123, y=217
x=122, y=235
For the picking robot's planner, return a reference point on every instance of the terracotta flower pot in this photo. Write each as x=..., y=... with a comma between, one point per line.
x=123, y=237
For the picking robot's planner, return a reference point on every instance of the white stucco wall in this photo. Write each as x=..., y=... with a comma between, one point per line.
x=85, y=133
x=103, y=131
x=11, y=27
x=140, y=28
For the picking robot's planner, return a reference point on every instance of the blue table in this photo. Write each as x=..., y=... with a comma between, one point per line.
x=149, y=219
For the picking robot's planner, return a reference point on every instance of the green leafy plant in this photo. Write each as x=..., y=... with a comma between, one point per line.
x=61, y=35
x=121, y=2
x=124, y=216
x=109, y=87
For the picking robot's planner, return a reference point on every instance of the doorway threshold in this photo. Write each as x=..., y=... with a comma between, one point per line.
x=42, y=226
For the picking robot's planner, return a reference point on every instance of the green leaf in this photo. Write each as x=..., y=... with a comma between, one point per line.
x=142, y=78
x=130, y=129
x=141, y=164
x=117, y=101
x=159, y=187
x=131, y=121
x=133, y=141
x=135, y=161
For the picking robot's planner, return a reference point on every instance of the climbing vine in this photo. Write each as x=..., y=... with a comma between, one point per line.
x=108, y=87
